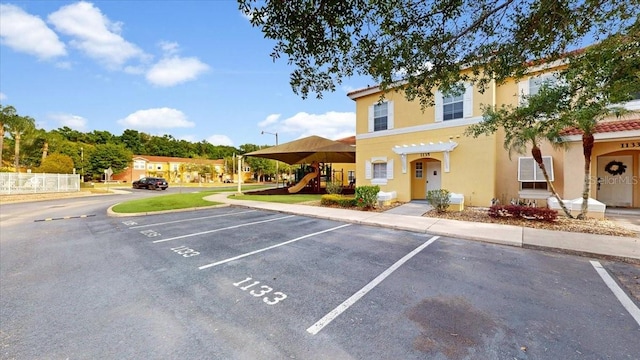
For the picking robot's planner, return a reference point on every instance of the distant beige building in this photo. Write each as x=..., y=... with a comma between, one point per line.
x=180, y=170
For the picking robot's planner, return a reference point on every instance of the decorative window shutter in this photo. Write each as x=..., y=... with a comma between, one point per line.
x=367, y=170
x=548, y=165
x=390, y=169
x=468, y=100
x=523, y=90
x=370, y=119
x=526, y=169
x=389, y=114
x=438, y=106
x=529, y=171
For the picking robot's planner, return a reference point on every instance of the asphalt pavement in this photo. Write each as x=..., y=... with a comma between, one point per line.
x=409, y=217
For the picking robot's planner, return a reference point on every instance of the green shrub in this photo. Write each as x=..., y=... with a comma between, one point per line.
x=337, y=200
x=367, y=196
x=439, y=199
x=334, y=187
x=329, y=199
x=347, y=202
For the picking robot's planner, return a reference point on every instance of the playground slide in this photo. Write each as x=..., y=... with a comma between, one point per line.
x=302, y=183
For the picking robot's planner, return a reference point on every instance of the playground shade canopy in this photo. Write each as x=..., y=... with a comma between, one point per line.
x=308, y=150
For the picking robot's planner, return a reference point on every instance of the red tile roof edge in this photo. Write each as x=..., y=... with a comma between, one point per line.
x=607, y=127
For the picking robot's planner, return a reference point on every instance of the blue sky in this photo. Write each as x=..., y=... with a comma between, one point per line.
x=196, y=70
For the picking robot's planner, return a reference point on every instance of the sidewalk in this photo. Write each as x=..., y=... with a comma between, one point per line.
x=622, y=248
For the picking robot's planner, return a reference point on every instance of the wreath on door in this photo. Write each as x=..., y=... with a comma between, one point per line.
x=615, y=168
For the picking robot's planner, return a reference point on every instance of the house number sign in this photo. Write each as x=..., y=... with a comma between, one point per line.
x=425, y=154
x=630, y=145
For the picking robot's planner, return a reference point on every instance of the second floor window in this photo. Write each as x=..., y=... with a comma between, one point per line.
x=455, y=104
x=452, y=107
x=381, y=116
x=380, y=112
x=535, y=83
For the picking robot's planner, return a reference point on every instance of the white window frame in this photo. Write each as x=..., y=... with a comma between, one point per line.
x=369, y=173
x=525, y=86
x=139, y=164
x=452, y=100
x=390, y=116
x=379, y=170
x=419, y=170
x=467, y=104
x=533, y=172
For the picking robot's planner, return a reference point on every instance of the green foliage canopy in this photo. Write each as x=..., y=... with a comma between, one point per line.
x=56, y=164
x=424, y=43
x=105, y=156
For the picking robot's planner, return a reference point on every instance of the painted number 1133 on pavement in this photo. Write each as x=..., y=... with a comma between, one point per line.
x=260, y=291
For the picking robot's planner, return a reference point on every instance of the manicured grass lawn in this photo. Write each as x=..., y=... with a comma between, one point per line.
x=189, y=200
x=166, y=202
x=285, y=199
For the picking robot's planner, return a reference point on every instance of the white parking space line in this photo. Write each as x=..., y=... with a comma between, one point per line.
x=617, y=291
x=192, y=219
x=222, y=229
x=320, y=324
x=270, y=247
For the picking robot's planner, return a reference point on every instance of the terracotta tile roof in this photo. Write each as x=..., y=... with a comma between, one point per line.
x=608, y=126
x=349, y=140
x=357, y=91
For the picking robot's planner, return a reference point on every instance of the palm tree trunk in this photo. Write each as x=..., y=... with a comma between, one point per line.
x=16, y=161
x=537, y=156
x=45, y=150
x=587, y=148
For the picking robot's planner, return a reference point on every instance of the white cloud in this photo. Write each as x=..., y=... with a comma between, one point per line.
x=220, y=140
x=74, y=122
x=158, y=118
x=169, y=48
x=29, y=34
x=271, y=119
x=331, y=125
x=175, y=70
x=94, y=34
x=3, y=96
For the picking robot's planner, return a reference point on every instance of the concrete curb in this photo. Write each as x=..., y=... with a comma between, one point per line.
x=111, y=213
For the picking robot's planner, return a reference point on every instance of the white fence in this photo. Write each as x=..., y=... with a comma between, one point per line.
x=14, y=183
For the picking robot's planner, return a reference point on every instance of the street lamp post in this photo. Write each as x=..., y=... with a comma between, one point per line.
x=277, y=175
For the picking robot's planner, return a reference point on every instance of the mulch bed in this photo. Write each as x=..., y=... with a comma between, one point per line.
x=590, y=226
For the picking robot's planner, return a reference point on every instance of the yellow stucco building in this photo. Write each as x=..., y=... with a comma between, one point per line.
x=406, y=150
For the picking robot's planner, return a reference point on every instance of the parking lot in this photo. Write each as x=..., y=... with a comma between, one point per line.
x=239, y=283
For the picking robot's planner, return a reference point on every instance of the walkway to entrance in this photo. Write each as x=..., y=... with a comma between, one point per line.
x=628, y=218
x=413, y=208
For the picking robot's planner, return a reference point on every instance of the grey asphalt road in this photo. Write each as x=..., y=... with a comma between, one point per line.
x=235, y=283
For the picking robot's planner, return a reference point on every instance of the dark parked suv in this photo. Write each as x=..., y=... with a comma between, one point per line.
x=151, y=183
